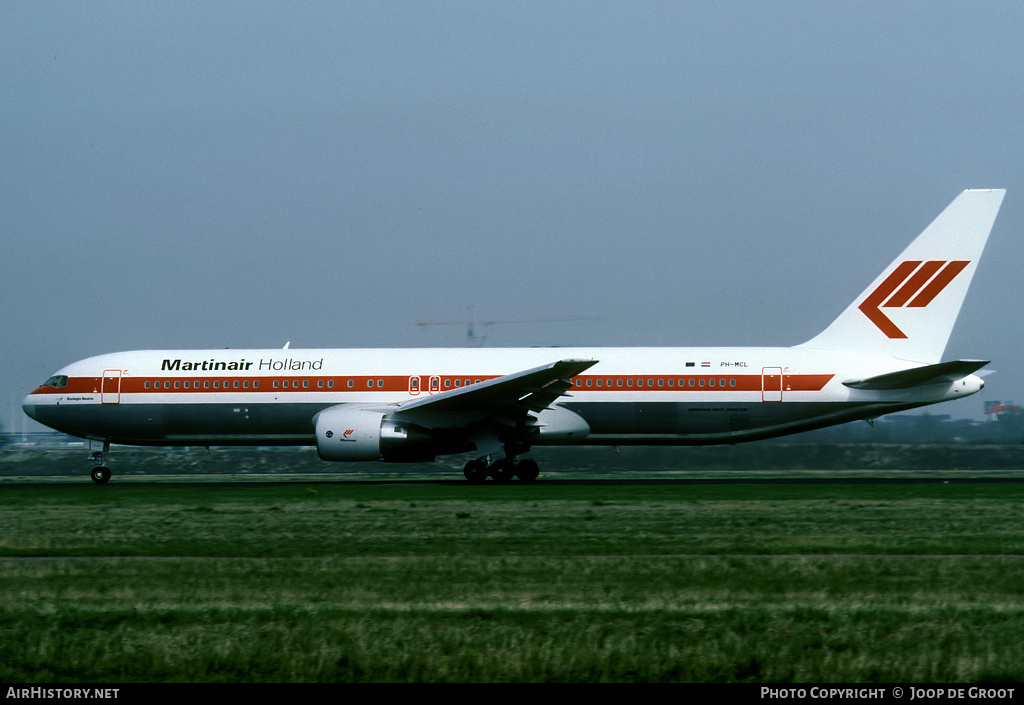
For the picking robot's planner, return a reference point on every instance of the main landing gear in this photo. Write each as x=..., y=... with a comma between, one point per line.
x=503, y=471
x=101, y=473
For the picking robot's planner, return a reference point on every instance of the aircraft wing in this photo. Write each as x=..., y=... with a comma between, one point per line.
x=919, y=376
x=511, y=396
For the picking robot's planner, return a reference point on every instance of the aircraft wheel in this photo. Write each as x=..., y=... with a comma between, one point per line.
x=100, y=475
x=503, y=471
x=527, y=470
x=475, y=471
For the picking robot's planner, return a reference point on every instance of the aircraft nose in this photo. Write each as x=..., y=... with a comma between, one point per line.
x=28, y=405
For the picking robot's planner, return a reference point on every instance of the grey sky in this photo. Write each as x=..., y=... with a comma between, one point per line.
x=221, y=174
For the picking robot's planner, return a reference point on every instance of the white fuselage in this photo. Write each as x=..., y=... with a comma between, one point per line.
x=631, y=395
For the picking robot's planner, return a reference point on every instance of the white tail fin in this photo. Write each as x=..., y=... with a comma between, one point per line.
x=908, y=312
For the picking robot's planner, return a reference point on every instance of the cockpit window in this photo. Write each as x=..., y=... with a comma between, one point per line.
x=57, y=381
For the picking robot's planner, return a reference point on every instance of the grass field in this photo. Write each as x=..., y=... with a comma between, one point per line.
x=351, y=581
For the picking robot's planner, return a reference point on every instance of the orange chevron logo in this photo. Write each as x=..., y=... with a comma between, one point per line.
x=913, y=284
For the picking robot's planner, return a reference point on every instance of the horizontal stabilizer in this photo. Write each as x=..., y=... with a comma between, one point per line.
x=920, y=376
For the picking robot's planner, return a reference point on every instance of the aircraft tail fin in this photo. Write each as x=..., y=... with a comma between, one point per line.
x=909, y=310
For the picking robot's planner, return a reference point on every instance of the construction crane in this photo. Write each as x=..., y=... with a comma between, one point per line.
x=472, y=341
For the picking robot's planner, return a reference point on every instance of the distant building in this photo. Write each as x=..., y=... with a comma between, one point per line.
x=993, y=409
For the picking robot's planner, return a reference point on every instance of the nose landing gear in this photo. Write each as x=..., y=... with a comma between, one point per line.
x=101, y=473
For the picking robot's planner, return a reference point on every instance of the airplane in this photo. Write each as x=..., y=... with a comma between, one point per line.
x=883, y=354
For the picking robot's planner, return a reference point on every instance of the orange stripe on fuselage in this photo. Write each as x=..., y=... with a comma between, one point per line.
x=400, y=383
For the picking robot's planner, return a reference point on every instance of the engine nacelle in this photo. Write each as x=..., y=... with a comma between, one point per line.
x=557, y=426
x=354, y=434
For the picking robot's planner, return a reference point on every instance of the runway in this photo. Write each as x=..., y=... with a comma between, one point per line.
x=653, y=478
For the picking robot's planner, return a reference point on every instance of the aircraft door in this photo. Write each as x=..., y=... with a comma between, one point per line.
x=771, y=384
x=110, y=387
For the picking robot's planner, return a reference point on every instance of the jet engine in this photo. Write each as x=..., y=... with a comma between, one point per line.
x=345, y=433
